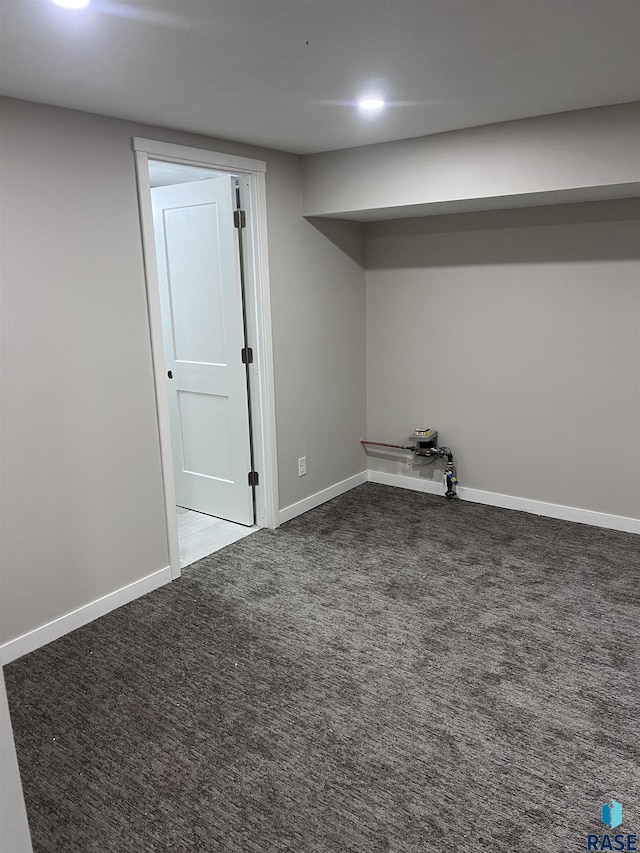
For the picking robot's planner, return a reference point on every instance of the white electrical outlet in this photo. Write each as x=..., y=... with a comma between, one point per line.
x=302, y=466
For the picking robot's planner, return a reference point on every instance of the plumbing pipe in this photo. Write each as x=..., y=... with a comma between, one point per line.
x=384, y=444
x=450, y=478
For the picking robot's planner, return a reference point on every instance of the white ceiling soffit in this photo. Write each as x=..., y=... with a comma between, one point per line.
x=287, y=73
x=505, y=202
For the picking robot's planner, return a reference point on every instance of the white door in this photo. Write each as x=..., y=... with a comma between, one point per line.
x=197, y=247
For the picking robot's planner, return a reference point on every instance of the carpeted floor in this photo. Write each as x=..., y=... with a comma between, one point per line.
x=389, y=672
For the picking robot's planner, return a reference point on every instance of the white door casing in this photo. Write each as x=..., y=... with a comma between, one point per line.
x=200, y=292
x=252, y=177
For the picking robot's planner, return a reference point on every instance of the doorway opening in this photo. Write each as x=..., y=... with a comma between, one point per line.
x=204, y=236
x=200, y=535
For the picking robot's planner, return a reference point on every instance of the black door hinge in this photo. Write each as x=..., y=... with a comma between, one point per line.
x=254, y=480
x=246, y=354
x=239, y=219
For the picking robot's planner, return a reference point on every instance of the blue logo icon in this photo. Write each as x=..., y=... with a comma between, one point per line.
x=611, y=818
x=612, y=814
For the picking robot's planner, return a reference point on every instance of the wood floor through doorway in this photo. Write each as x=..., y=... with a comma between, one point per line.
x=200, y=535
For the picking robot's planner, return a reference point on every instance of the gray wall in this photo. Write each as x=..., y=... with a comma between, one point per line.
x=516, y=334
x=82, y=505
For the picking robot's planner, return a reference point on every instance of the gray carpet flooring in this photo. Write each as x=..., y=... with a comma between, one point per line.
x=389, y=672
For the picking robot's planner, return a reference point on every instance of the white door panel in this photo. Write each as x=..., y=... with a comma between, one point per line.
x=203, y=331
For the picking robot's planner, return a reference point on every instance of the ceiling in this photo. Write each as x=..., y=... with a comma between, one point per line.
x=286, y=73
x=167, y=174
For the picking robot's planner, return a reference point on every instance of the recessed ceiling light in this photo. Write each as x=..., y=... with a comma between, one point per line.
x=72, y=4
x=371, y=104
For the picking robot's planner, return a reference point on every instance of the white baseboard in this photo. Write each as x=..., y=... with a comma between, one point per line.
x=325, y=495
x=13, y=649
x=401, y=481
x=565, y=513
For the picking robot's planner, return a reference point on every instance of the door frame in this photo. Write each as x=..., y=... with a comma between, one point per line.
x=258, y=309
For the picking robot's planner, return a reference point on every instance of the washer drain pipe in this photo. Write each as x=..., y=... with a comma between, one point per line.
x=450, y=478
